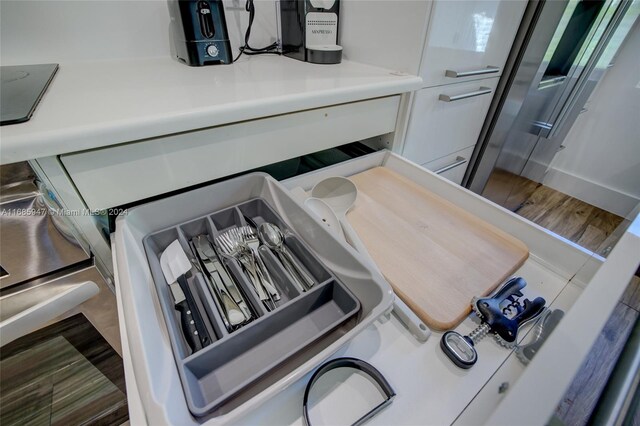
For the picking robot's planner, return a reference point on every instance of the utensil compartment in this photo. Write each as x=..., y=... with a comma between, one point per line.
x=235, y=359
x=155, y=246
x=223, y=369
x=212, y=226
x=260, y=212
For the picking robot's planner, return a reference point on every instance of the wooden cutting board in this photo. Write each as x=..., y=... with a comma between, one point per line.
x=435, y=255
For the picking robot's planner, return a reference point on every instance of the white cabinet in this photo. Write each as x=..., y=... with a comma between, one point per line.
x=446, y=119
x=472, y=37
x=451, y=166
x=466, y=47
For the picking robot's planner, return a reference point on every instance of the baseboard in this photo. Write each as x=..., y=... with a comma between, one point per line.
x=590, y=192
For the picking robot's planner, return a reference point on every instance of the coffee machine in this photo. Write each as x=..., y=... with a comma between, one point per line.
x=199, y=32
x=309, y=30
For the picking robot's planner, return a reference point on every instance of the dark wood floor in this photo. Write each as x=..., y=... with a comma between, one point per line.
x=63, y=374
x=596, y=230
x=569, y=217
x=578, y=403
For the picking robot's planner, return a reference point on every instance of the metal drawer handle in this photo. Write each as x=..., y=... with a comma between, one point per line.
x=455, y=74
x=482, y=91
x=459, y=162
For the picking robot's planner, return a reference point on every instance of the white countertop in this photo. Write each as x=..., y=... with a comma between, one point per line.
x=95, y=104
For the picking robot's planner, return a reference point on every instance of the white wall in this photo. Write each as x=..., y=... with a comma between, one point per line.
x=386, y=33
x=41, y=31
x=601, y=161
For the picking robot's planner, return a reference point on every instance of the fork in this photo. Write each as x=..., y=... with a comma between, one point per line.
x=250, y=237
x=232, y=244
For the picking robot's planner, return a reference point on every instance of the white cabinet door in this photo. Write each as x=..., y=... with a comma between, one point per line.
x=468, y=36
x=452, y=166
x=447, y=119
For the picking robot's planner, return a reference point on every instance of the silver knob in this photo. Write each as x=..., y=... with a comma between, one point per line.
x=212, y=50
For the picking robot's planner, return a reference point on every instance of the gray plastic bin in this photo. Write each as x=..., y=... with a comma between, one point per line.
x=174, y=377
x=235, y=360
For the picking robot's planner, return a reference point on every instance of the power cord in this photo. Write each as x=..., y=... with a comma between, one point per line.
x=246, y=48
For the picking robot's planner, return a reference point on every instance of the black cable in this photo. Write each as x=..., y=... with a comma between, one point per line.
x=246, y=48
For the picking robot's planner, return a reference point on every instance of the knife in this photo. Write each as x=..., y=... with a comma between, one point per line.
x=217, y=298
x=186, y=318
x=208, y=250
x=201, y=331
x=231, y=309
x=175, y=265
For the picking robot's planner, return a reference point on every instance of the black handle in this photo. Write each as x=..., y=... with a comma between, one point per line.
x=511, y=287
x=531, y=310
x=356, y=364
x=507, y=328
x=205, y=340
x=490, y=310
x=188, y=326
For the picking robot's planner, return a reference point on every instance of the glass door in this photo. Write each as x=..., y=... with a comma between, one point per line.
x=568, y=48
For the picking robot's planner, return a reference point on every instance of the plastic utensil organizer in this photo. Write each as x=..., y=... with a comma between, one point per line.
x=238, y=360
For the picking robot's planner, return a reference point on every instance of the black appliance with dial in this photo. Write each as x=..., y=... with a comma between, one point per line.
x=199, y=32
x=310, y=30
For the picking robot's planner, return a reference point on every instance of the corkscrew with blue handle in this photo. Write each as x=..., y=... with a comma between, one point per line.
x=501, y=314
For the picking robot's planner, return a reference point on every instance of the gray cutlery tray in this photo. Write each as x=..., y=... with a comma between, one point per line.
x=235, y=360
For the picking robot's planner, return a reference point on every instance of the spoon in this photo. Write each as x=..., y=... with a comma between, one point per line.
x=273, y=238
x=340, y=195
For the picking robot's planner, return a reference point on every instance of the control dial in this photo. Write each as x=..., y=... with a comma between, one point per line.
x=212, y=50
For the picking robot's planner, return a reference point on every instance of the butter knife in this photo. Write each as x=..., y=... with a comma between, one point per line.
x=221, y=279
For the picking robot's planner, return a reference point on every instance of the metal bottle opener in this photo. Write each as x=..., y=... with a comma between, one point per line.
x=543, y=328
x=496, y=319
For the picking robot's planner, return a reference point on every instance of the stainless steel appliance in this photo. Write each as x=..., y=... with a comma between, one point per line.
x=309, y=30
x=46, y=269
x=199, y=32
x=554, y=66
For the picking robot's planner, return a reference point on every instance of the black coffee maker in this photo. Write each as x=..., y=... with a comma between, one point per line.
x=310, y=30
x=199, y=32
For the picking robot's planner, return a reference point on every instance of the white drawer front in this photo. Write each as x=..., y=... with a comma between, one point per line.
x=438, y=128
x=469, y=37
x=122, y=174
x=452, y=166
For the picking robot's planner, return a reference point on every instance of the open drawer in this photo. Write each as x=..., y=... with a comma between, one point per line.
x=241, y=367
x=430, y=389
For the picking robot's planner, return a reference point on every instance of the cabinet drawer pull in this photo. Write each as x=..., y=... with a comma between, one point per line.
x=455, y=74
x=482, y=91
x=459, y=162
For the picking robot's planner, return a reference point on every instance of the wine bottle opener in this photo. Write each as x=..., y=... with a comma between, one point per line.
x=500, y=320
